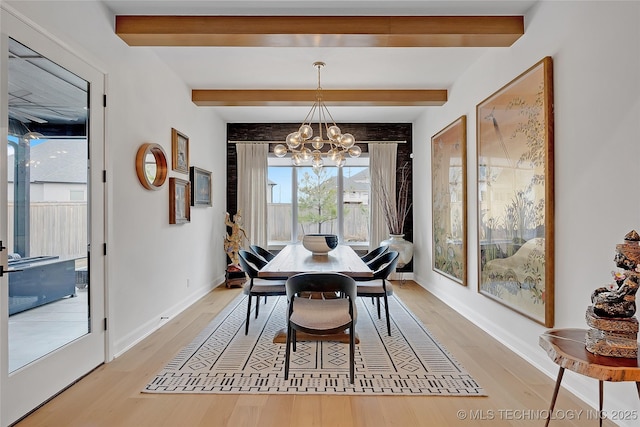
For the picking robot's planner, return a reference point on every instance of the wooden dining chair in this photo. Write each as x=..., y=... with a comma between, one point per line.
x=375, y=253
x=379, y=286
x=321, y=315
x=255, y=286
x=262, y=252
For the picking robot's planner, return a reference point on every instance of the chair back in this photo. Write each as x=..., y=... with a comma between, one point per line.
x=260, y=251
x=321, y=282
x=384, y=265
x=367, y=258
x=250, y=263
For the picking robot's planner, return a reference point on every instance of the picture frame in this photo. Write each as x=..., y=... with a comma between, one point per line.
x=179, y=151
x=516, y=194
x=449, y=201
x=179, y=198
x=200, y=186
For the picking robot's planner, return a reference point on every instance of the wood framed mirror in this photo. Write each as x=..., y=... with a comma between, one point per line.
x=151, y=166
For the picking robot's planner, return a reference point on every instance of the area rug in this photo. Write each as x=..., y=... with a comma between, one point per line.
x=222, y=359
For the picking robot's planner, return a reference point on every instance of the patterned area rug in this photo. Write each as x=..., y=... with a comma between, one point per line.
x=221, y=359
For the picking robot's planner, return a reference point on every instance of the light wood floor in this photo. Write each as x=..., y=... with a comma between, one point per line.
x=110, y=396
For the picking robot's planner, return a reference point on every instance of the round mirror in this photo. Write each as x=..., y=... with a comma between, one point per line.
x=151, y=166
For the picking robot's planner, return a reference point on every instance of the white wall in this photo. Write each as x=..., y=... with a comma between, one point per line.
x=154, y=269
x=596, y=63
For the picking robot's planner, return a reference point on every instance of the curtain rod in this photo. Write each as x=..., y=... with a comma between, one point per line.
x=282, y=142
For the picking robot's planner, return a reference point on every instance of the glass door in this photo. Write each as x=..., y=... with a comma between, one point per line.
x=52, y=208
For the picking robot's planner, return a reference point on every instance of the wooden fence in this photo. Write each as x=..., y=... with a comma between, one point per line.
x=57, y=228
x=356, y=223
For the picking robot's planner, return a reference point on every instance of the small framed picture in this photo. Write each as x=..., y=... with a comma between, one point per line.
x=200, y=186
x=179, y=196
x=179, y=151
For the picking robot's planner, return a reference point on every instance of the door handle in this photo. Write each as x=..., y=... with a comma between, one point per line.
x=2, y=270
x=2, y=247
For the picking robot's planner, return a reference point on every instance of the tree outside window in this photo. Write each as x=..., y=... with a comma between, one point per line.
x=317, y=200
x=330, y=201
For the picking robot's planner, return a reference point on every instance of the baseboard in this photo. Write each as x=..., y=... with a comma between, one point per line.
x=584, y=388
x=137, y=335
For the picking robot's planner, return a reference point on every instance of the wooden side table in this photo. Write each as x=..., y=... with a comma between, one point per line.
x=567, y=348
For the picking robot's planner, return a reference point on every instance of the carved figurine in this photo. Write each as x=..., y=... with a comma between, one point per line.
x=616, y=300
x=233, y=241
x=614, y=329
x=619, y=298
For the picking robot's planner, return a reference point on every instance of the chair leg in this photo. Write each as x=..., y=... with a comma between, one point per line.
x=286, y=355
x=378, y=306
x=257, y=305
x=295, y=338
x=386, y=312
x=352, y=345
x=246, y=326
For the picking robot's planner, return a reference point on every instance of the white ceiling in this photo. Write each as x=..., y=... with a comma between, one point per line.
x=291, y=68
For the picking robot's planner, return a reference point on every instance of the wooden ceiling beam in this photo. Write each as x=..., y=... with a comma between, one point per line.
x=234, y=98
x=320, y=31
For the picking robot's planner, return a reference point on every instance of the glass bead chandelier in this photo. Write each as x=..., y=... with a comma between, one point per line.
x=340, y=144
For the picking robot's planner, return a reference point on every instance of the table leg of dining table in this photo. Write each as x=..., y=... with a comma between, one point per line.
x=555, y=395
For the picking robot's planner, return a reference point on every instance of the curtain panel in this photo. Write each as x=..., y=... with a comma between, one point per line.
x=252, y=190
x=382, y=167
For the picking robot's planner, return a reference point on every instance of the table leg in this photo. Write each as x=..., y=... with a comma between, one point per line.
x=638, y=387
x=600, y=399
x=555, y=395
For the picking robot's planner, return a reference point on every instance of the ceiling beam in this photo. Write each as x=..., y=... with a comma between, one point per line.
x=235, y=98
x=320, y=31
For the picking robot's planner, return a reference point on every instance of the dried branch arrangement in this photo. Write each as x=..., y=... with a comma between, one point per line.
x=396, y=209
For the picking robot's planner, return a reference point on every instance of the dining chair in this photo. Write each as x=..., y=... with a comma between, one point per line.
x=379, y=285
x=320, y=314
x=375, y=253
x=262, y=252
x=255, y=286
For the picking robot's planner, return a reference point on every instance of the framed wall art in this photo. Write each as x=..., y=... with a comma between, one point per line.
x=516, y=196
x=449, y=201
x=179, y=151
x=200, y=186
x=179, y=197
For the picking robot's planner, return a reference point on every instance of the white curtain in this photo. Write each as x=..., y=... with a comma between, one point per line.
x=252, y=190
x=382, y=168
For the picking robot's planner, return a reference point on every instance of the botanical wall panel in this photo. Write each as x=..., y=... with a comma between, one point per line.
x=515, y=194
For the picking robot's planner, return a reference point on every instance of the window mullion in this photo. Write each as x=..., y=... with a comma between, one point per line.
x=340, y=210
x=294, y=204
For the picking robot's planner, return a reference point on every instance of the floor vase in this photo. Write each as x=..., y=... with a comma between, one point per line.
x=404, y=248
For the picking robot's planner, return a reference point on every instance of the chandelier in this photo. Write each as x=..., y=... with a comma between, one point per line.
x=340, y=144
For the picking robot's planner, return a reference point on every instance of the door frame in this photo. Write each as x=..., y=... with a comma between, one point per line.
x=26, y=388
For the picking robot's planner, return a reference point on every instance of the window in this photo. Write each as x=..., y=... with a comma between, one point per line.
x=331, y=200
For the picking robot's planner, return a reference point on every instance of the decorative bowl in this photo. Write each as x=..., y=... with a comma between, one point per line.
x=320, y=244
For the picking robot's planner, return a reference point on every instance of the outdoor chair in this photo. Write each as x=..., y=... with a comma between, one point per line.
x=312, y=312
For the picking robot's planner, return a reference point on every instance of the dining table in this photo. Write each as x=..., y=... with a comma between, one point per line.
x=295, y=258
